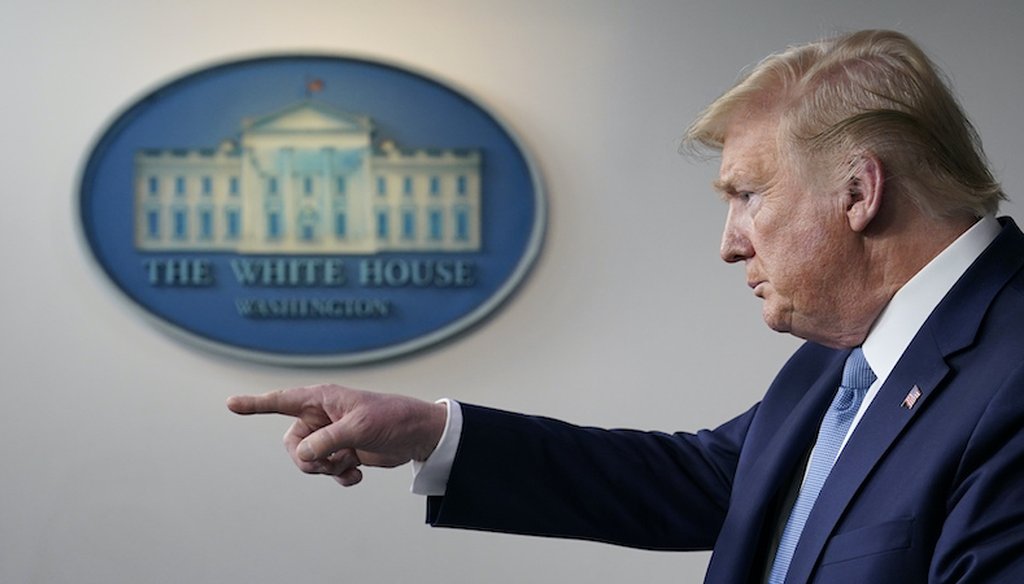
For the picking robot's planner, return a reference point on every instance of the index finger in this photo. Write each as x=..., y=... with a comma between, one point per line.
x=283, y=401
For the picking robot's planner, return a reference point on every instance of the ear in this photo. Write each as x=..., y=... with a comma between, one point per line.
x=865, y=190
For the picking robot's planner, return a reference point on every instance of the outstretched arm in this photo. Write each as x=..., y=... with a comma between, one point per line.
x=338, y=429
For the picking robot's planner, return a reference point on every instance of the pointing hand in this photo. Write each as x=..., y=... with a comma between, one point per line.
x=337, y=429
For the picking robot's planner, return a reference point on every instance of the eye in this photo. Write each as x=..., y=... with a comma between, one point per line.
x=745, y=196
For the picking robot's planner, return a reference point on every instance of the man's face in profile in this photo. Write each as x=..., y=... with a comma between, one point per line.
x=793, y=239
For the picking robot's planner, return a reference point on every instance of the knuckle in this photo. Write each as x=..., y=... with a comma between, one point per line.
x=311, y=467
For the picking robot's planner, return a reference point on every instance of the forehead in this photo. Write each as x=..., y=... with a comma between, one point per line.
x=749, y=155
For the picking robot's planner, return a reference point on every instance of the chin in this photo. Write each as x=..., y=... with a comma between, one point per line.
x=779, y=323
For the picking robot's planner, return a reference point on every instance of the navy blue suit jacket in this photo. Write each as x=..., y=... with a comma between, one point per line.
x=933, y=493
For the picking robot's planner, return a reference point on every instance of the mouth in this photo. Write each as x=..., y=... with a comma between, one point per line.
x=756, y=286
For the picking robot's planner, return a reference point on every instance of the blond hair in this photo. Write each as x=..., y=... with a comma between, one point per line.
x=869, y=91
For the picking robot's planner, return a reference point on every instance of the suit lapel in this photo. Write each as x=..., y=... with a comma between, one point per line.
x=951, y=327
x=880, y=427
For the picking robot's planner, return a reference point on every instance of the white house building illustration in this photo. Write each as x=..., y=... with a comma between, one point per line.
x=307, y=179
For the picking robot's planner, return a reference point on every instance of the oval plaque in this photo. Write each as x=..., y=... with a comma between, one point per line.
x=310, y=209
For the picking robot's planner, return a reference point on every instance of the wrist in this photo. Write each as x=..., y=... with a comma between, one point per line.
x=435, y=423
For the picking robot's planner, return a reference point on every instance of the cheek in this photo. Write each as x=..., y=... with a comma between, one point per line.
x=775, y=235
x=821, y=267
x=800, y=257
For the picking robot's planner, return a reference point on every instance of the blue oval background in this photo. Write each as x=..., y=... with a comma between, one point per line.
x=201, y=109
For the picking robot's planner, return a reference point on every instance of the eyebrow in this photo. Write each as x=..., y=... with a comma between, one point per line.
x=725, y=188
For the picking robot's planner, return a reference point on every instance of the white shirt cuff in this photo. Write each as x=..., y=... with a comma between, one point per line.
x=430, y=477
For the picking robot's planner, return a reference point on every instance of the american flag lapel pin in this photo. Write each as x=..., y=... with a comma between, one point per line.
x=912, y=397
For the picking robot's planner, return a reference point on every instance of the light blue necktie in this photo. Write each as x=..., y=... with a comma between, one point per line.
x=857, y=377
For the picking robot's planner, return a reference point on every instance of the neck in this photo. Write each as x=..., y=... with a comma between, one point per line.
x=901, y=253
x=896, y=253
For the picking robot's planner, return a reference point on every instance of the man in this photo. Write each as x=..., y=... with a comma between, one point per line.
x=888, y=449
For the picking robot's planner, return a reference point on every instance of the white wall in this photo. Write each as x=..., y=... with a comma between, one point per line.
x=120, y=463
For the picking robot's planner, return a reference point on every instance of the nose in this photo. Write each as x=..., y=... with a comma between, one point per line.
x=736, y=246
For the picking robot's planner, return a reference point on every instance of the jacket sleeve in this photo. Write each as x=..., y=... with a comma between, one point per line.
x=537, y=476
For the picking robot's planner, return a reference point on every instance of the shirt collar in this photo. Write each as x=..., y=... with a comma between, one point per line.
x=910, y=306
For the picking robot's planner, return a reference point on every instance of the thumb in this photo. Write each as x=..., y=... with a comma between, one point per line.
x=323, y=442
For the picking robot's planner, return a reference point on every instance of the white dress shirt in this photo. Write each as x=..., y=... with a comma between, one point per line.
x=888, y=339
